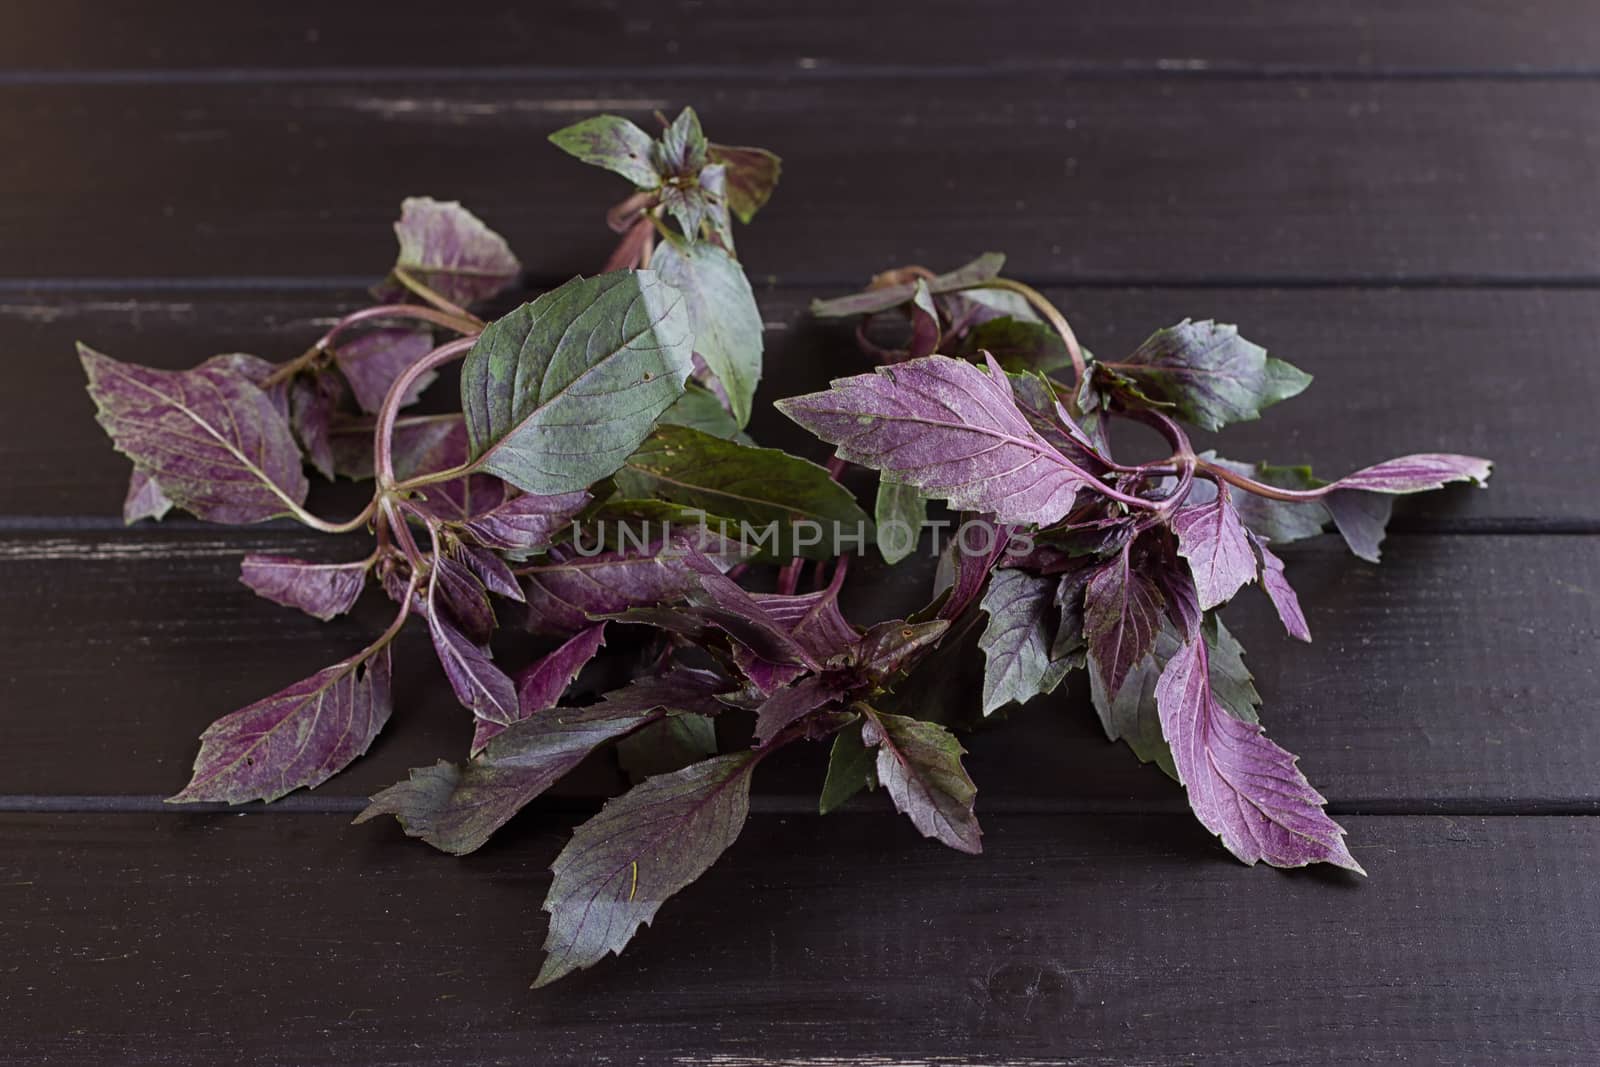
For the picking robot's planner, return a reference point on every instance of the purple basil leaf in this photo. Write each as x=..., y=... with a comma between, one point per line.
x=321, y=590
x=1361, y=503
x=790, y=704
x=1018, y=664
x=1358, y=504
x=456, y=808
x=1213, y=539
x=852, y=766
x=543, y=683
x=743, y=617
x=1417, y=474
x=882, y=298
x=764, y=652
x=526, y=524
x=966, y=571
x=416, y=439
x=1132, y=716
x=452, y=252
x=1036, y=399
x=298, y=737
x=641, y=848
x=427, y=445
x=569, y=590
x=688, y=206
x=479, y=685
x=373, y=360
x=456, y=591
x=682, y=148
x=1122, y=612
x=216, y=444
x=1281, y=593
x=888, y=648
x=1209, y=374
x=459, y=499
x=813, y=620
x=1173, y=577
x=1069, y=594
x=145, y=500
x=614, y=143
x=395, y=581
x=949, y=429
x=1241, y=786
x=752, y=173
x=560, y=392
x=1361, y=519
x=492, y=571
x=765, y=676
x=919, y=763
x=972, y=308
x=313, y=404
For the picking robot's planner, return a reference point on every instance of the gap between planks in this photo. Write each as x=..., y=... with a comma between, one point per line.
x=1161, y=69
x=793, y=805
x=818, y=284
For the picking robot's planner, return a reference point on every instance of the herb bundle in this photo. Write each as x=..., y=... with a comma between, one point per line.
x=598, y=481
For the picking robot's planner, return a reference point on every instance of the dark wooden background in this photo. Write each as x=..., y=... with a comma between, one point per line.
x=1401, y=198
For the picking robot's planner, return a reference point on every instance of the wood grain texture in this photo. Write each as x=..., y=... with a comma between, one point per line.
x=1458, y=676
x=184, y=178
x=1387, y=367
x=796, y=38
x=1095, y=940
x=1079, y=180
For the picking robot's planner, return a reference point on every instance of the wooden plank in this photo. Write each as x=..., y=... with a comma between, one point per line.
x=1080, y=180
x=1398, y=371
x=1093, y=940
x=1459, y=676
x=804, y=39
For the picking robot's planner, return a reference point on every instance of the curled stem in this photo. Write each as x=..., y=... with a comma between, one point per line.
x=1052, y=315
x=383, y=433
x=285, y=371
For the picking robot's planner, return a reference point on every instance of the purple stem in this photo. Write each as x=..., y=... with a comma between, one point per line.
x=1272, y=492
x=381, y=311
x=400, y=311
x=383, y=433
x=789, y=577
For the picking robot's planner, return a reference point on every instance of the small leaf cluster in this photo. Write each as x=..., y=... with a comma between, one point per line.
x=596, y=501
